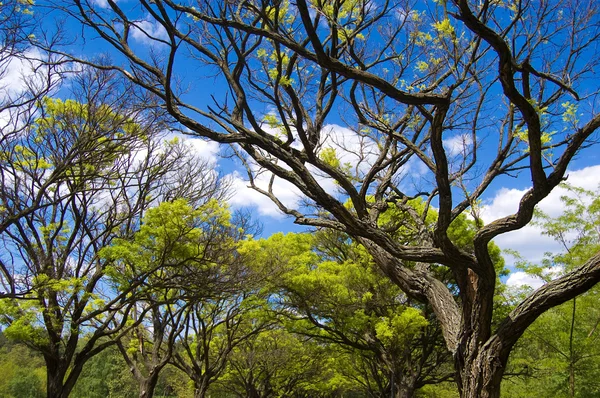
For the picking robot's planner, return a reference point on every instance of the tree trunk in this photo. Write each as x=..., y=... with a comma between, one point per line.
x=56, y=385
x=200, y=388
x=404, y=392
x=481, y=375
x=148, y=385
x=403, y=385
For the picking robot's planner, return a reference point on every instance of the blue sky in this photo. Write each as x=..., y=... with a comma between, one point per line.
x=500, y=199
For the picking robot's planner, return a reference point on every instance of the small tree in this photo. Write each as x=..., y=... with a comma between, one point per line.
x=193, y=295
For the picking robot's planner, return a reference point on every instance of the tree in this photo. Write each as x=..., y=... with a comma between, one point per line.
x=567, y=358
x=276, y=363
x=461, y=92
x=111, y=163
x=213, y=327
x=105, y=375
x=326, y=287
x=174, y=254
x=195, y=300
x=22, y=370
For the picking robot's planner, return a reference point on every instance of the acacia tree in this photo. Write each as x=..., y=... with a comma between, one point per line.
x=462, y=92
x=276, y=363
x=111, y=165
x=223, y=305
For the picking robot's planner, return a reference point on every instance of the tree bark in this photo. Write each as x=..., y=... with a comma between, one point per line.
x=148, y=385
x=404, y=392
x=200, y=388
x=56, y=385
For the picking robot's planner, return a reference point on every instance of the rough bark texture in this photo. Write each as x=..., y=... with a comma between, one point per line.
x=57, y=387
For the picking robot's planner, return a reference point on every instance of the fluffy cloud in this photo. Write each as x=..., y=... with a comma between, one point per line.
x=148, y=32
x=350, y=149
x=529, y=240
x=520, y=279
x=19, y=77
x=457, y=144
x=20, y=73
x=207, y=150
x=245, y=196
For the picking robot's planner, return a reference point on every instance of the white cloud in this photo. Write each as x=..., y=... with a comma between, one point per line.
x=520, y=279
x=457, y=144
x=21, y=77
x=352, y=149
x=529, y=240
x=349, y=149
x=245, y=196
x=20, y=73
x=506, y=201
x=360, y=152
x=205, y=149
x=148, y=31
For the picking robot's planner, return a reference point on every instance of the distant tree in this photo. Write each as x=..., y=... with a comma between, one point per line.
x=276, y=363
x=22, y=369
x=195, y=295
x=214, y=326
x=105, y=375
x=338, y=297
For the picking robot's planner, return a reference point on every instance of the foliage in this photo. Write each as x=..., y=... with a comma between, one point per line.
x=82, y=173
x=566, y=358
x=276, y=363
x=23, y=373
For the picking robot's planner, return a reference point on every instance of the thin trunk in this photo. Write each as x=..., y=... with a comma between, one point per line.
x=571, y=353
x=200, y=388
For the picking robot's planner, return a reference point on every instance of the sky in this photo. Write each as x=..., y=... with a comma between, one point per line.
x=502, y=199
